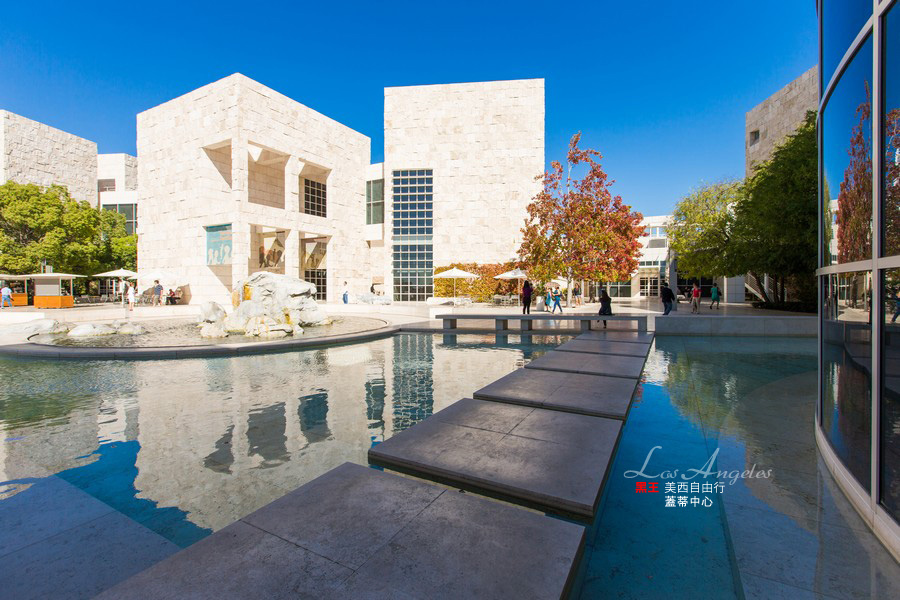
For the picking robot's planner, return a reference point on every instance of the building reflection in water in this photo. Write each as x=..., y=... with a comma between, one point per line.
x=189, y=446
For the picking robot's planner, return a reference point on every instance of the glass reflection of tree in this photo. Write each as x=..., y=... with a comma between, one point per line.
x=891, y=192
x=854, y=213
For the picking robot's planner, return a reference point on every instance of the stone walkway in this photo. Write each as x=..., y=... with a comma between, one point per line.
x=539, y=437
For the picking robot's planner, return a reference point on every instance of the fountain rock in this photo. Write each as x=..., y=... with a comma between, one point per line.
x=284, y=299
x=36, y=326
x=90, y=329
x=130, y=329
x=267, y=327
x=213, y=330
x=210, y=312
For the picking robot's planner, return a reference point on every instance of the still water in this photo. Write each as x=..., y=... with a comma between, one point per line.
x=186, y=447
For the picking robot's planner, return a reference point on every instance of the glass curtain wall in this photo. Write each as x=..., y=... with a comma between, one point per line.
x=859, y=254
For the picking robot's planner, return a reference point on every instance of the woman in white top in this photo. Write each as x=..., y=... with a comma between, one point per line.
x=129, y=293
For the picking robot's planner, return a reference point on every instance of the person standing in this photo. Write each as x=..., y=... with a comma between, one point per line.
x=157, y=293
x=557, y=298
x=714, y=294
x=526, y=298
x=577, y=294
x=605, y=304
x=548, y=301
x=668, y=298
x=896, y=296
x=346, y=294
x=5, y=296
x=695, y=298
x=129, y=294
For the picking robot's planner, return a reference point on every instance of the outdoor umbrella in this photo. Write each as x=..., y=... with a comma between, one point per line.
x=120, y=273
x=514, y=274
x=455, y=274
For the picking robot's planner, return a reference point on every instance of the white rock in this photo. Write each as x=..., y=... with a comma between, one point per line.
x=91, y=329
x=213, y=330
x=283, y=299
x=130, y=329
x=438, y=301
x=210, y=312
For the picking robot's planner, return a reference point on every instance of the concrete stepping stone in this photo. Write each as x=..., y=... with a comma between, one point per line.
x=605, y=347
x=641, y=337
x=590, y=364
x=594, y=395
x=356, y=532
x=556, y=461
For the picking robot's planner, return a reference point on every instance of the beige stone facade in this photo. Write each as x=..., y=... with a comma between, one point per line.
x=484, y=143
x=237, y=154
x=777, y=116
x=32, y=152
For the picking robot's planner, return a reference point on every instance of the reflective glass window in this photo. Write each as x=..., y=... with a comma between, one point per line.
x=890, y=393
x=891, y=135
x=847, y=369
x=841, y=23
x=847, y=163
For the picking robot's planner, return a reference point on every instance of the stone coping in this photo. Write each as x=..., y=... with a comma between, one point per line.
x=356, y=532
x=612, y=365
x=51, y=352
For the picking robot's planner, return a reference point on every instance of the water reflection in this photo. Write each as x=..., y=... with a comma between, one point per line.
x=186, y=447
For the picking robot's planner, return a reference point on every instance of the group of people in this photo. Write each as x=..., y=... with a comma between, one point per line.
x=553, y=299
x=668, y=297
x=129, y=293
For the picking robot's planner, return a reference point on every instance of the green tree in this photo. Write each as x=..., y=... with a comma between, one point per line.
x=776, y=221
x=701, y=230
x=576, y=228
x=39, y=223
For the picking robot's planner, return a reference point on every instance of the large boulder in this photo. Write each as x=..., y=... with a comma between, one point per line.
x=213, y=330
x=266, y=327
x=91, y=329
x=210, y=312
x=130, y=329
x=36, y=326
x=285, y=300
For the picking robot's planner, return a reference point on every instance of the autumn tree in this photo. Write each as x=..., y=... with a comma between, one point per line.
x=891, y=210
x=854, y=212
x=38, y=223
x=576, y=228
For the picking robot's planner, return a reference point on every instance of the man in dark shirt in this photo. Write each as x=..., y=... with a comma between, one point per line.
x=667, y=296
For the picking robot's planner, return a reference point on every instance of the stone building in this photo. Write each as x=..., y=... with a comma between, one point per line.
x=236, y=178
x=32, y=152
x=777, y=116
x=117, y=186
x=460, y=167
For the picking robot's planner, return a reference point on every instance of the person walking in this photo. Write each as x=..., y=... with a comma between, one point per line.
x=526, y=297
x=548, y=301
x=557, y=298
x=714, y=294
x=5, y=296
x=129, y=294
x=605, y=305
x=157, y=293
x=896, y=296
x=346, y=295
x=668, y=298
x=695, y=299
x=577, y=294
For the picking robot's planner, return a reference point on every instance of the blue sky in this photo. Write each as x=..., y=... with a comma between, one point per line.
x=659, y=88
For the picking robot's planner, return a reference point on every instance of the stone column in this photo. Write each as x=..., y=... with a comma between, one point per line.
x=292, y=253
x=240, y=169
x=734, y=289
x=292, y=190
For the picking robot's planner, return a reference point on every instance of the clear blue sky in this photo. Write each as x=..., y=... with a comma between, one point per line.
x=660, y=92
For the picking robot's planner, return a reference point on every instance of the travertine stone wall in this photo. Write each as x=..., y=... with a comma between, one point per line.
x=121, y=167
x=32, y=152
x=779, y=115
x=184, y=185
x=485, y=143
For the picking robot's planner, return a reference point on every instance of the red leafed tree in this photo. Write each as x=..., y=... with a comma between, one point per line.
x=854, y=212
x=892, y=182
x=576, y=228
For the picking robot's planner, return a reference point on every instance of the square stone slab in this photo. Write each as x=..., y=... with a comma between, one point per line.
x=590, y=364
x=594, y=395
x=605, y=347
x=360, y=533
x=554, y=460
x=641, y=337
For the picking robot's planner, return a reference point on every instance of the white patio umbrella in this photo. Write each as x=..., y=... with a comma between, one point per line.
x=455, y=274
x=514, y=274
x=120, y=273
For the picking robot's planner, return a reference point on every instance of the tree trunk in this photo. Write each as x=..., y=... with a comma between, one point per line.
x=762, y=288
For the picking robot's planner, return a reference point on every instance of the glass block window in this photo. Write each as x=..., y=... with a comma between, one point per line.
x=413, y=228
x=314, y=198
x=319, y=278
x=413, y=271
x=375, y=202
